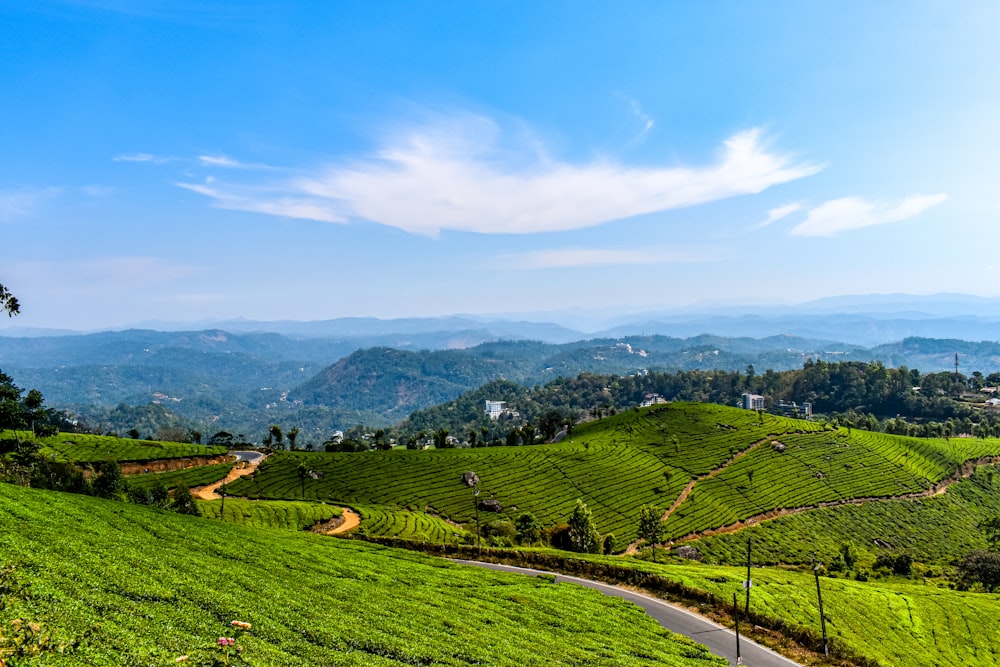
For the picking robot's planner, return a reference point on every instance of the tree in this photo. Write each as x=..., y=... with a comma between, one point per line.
x=109, y=483
x=292, y=435
x=8, y=302
x=980, y=567
x=549, y=423
x=992, y=528
x=221, y=439
x=650, y=526
x=277, y=437
x=184, y=501
x=529, y=529
x=302, y=470
x=583, y=535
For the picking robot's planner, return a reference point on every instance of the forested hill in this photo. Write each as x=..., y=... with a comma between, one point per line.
x=868, y=395
x=216, y=380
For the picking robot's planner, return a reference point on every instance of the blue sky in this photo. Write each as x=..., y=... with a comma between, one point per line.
x=309, y=160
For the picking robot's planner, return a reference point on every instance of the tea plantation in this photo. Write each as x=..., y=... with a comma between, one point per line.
x=105, y=583
x=87, y=448
x=740, y=465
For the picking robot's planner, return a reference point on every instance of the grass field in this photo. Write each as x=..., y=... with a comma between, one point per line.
x=140, y=587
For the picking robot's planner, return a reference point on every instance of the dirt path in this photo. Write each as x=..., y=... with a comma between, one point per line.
x=241, y=469
x=349, y=520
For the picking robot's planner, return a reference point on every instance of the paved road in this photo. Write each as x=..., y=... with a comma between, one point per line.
x=249, y=457
x=718, y=639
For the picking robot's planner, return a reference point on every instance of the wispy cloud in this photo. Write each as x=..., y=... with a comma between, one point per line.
x=776, y=214
x=19, y=203
x=229, y=163
x=145, y=157
x=583, y=257
x=848, y=213
x=457, y=176
x=646, y=123
x=257, y=200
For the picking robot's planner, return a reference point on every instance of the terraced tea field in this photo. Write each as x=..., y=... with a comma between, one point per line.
x=85, y=448
x=143, y=586
x=933, y=530
x=192, y=477
x=394, y=522
x=729, y=457
x=284, y=514
x=808, y=469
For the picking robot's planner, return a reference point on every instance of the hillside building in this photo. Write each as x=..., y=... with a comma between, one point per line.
x=753, y=402
x=495, y=408
x=792, y=409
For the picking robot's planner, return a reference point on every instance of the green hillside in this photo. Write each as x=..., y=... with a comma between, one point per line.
x=116, y=584
x=932, y=530
x=87, y=448
x=735, y=464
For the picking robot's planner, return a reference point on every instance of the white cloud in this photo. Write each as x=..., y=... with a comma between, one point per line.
x=19, y=203
x=144, y=157
x=847, y=213
x=229, y=163
x=455, y=176
x=776, y=214
x=253, y=200
x=581, y=257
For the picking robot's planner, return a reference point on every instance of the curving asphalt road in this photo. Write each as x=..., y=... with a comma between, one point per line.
x=249, y=457
x=719, y=640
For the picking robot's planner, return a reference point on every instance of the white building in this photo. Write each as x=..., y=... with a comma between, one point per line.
x=753, y=402
x=495, y=408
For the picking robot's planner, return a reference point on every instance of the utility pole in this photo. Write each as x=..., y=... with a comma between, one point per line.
x=822, y=618
x=222, y=510
x=748, y=583
x=479, y=533
x=736, y=618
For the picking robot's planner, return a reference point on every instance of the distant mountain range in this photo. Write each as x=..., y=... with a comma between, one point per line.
x=243, y=382
x=856, y=320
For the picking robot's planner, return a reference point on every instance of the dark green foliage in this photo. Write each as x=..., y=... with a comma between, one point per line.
x=109, y=482
x=529, y=528
x=980, y=567
x=609, y=545
x=183, y=501
x=8, y=302
x=901, y=564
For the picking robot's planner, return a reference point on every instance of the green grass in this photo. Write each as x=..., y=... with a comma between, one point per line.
x=199, y=476
x=86, y=448
x=146, y=586
x=285, y=514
